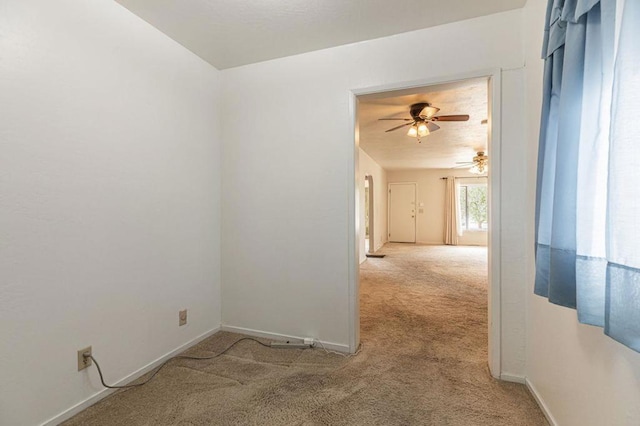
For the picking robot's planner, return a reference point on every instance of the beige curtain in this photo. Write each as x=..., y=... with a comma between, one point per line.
x=451, y=230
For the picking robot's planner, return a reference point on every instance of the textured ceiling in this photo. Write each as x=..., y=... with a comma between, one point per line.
x=455, y=141
x=229, y=33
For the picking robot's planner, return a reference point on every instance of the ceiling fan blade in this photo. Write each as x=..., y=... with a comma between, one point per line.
x=465, y=162
x=462, y=117
x=432, y=126
x=405, y=119
x=462, y=166
x=397, y=127
x=429, y=112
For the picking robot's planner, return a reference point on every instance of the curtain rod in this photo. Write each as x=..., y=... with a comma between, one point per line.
x=465, y=177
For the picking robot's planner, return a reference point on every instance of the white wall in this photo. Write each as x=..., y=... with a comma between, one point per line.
x=368, y=167
x=582, y=376
x=513, y=230
x=285, y=254
x=431, y=189
x=109, y=199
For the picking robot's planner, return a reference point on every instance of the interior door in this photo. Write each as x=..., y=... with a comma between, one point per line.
x=402, y=212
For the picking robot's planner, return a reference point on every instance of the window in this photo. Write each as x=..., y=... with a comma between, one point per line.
x=473, y=206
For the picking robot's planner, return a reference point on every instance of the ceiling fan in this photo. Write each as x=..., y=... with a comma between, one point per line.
x=479, y=165
x=423, y=118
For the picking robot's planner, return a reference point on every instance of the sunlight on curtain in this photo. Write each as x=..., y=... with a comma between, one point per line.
x=593, y=159
x=623, y=227
x=587, y=209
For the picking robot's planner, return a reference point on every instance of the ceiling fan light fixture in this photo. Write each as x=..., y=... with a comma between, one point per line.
x=422, y=121
x=479, y=168
x=423, y=130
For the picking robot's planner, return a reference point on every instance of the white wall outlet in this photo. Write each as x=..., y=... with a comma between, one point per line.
x=83, y=361
x=182, y=318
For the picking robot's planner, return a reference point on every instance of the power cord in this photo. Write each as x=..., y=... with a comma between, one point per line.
x=204, y=358
x=201, y=358
x=342, y=354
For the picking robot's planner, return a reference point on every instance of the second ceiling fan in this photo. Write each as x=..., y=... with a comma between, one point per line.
x=423, y=118
x=479, y=164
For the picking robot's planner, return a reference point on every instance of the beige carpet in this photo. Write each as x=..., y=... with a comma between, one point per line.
x=424, y=362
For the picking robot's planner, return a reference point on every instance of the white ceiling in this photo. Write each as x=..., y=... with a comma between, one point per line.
x=229, y=33
x=455, y=141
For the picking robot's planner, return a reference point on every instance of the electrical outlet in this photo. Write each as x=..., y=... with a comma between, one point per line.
x=84, y=362
x=182, y=318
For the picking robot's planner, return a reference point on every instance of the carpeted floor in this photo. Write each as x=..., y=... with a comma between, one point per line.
x=423, y=362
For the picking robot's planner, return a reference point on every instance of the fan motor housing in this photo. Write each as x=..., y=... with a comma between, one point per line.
x=416, y=109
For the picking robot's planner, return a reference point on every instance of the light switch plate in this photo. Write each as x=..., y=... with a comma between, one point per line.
x=182, y=318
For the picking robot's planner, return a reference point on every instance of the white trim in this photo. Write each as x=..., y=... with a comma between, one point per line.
x=353, y=243
x=513, y=378
x=67, y=414
x=441, y=243
x=277, y=336
x=415, y=207
x=545, y=409
x=494, y=126
x=494, y=241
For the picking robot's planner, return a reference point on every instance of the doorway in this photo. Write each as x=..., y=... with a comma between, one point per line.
x=493, y=148
x=369, y=203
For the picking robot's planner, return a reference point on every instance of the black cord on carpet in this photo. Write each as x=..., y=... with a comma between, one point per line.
x=197, y=358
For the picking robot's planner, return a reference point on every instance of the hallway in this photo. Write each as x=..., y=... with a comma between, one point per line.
x=424, y=318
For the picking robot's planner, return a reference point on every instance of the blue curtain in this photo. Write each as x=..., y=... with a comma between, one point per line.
x=587, y=214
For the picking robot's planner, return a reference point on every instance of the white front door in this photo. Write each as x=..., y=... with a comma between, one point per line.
x=402, y=212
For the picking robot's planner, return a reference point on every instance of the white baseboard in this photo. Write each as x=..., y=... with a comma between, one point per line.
x=338, y=347
x=67, y=414
x=545, y=410
x=513, y=378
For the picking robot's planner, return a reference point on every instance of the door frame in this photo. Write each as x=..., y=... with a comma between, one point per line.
x=415, y=209
x=369, y=189
x=494, y=183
